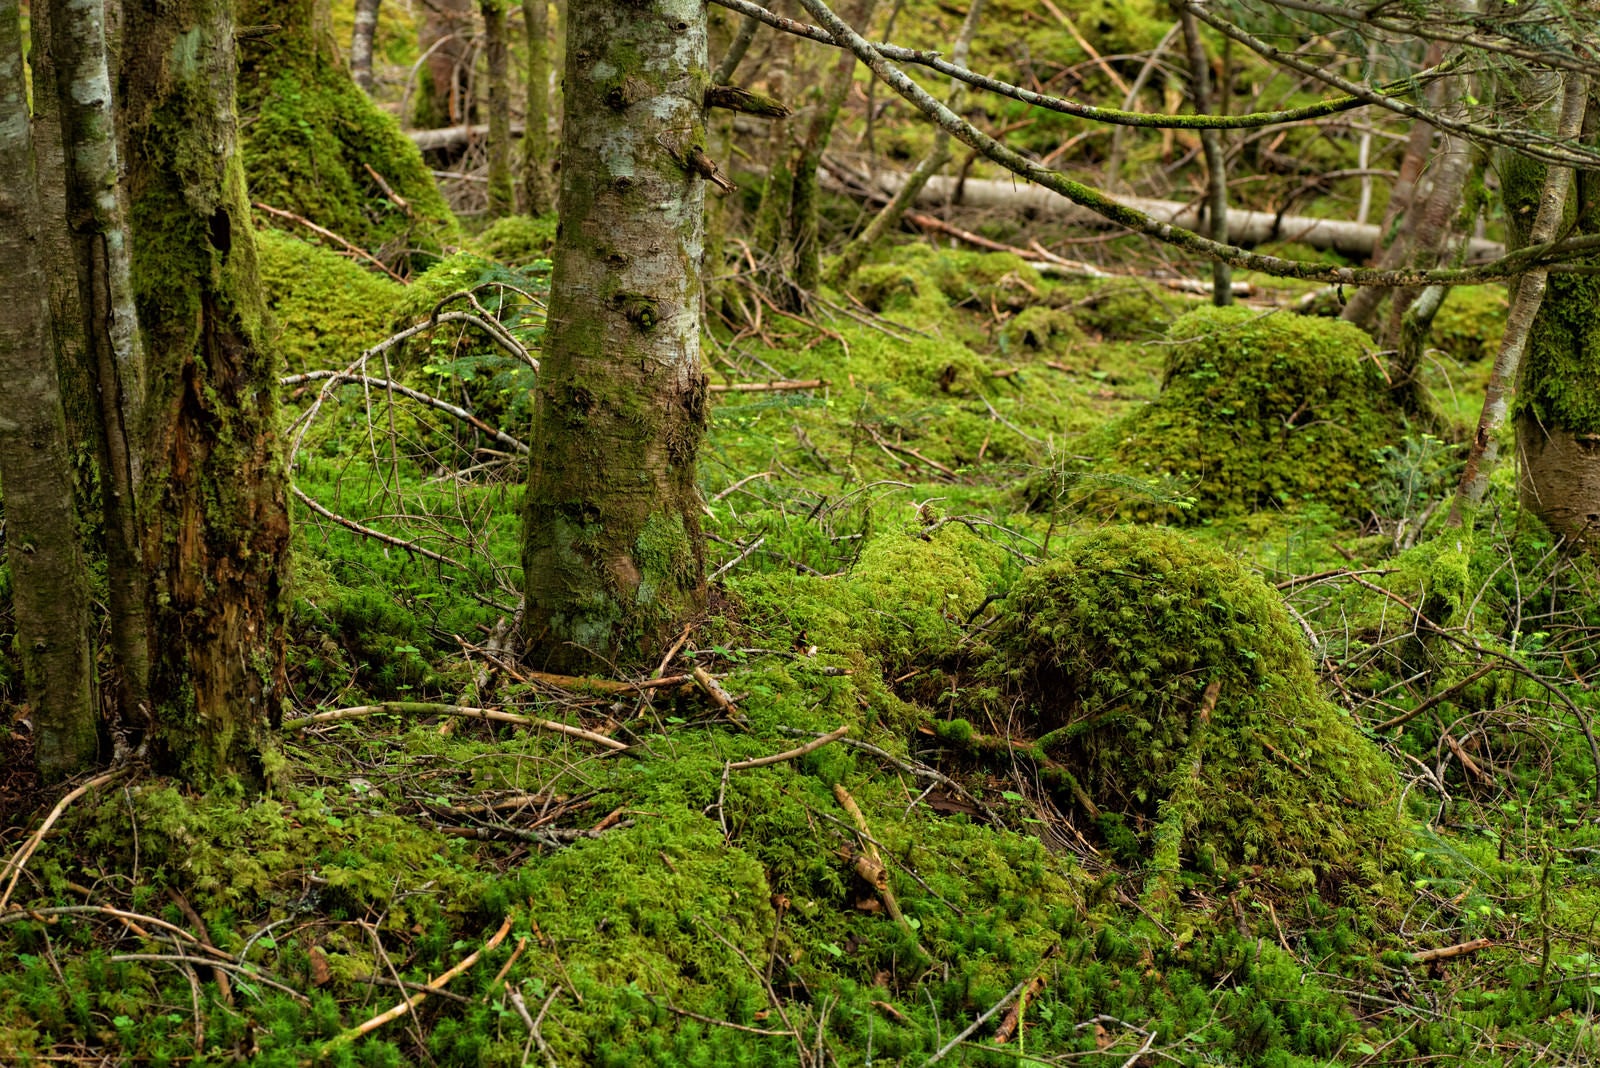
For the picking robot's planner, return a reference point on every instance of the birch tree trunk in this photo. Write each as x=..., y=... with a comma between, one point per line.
x=361, y=34
x=49, y=584
x=212, y=512
x=613, y=554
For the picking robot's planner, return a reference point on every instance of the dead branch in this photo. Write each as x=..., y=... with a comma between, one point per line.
x=20, y=858
x=421, y=708
x=792, y=754
x=1460, y=949
x=322, y=231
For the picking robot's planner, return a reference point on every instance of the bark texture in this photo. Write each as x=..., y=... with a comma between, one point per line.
x=446, y=39
x=49, y=585
x=497, y=48
x=613, y=554
x=212, y=507
x=538, y=186
x=361, y=34
x=98, y=220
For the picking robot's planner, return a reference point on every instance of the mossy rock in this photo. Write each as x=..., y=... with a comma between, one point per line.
x=1169, y=681
x=325, y=308
x=1260, y=412
x=1040, y=329
x=1120, y=311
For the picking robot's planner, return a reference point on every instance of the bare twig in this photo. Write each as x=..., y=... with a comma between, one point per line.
x=792, y=754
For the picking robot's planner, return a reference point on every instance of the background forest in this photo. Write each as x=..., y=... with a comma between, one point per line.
x=1145, y=613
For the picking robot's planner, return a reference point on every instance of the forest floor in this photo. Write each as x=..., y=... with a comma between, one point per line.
x=1088, y=680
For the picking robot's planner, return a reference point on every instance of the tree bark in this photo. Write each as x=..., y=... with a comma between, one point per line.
x=366, y=26
x=49, y=585
x=538, y=190
x=502, y=194
x=98, y=220
x=613, y=557
x=212, y=507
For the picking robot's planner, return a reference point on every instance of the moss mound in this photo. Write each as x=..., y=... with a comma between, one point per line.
x=1171, y=683
x=325, y=308
x=1263, y=411
x=312, y=139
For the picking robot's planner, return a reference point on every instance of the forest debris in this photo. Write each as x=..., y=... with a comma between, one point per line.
x=423, y=708
x=870, y=848
x=713, y=689
x=399, y=201
x=1013, y=1019
x=944, y=1050
x=1460, y=949
x=395, y=1012
x=20, y=858
x=767, y=387
x=792, y=754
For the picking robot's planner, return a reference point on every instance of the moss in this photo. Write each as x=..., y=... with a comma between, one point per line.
x=325, y=308
x=1172, y=685
x=1120, y=311
x=1470, y=323
x=519, y=240
x=309, y=136
x=1262, y=412
x=1040, y=329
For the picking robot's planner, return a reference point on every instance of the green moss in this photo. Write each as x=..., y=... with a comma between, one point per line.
x=1262, y=412
x=1470, y=323
x=1113, y=651
x=325, y=308
x=519, y=240
x=309, y=136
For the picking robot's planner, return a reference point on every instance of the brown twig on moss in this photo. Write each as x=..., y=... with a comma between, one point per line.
x=19, y=859
x=322, y=231
x=1460, y=949
x=890, y=904
x=429, y=709
x=792, y=754
x=394, y=1013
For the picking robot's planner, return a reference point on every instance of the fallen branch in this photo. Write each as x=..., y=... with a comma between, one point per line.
x=1460, y=949
x=792, y=754
x=397, y=1011
x=421, y=708
x=767, y=387
x=868, y=846
x=713, y=689
x=944, y=1051
x=339, y=378
x=20, y=858
x=322, y=231
x=369, y=532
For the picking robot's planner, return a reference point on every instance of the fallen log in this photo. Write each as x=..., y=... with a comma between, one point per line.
x=1244, y=227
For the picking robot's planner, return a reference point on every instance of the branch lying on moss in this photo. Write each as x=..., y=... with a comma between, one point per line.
x=322, y=231
x=394, y=1013
x=422, y=708
x=340, y=378
x=19, y=859
x=890, y=904
x=792, y=754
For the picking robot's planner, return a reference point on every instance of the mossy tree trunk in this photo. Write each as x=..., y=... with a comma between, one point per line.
x=1558, y=415
x=96, y=214
x=212, y=511
x=538, y=190
x=496, y=50
x=49, y=584
x=613, y=554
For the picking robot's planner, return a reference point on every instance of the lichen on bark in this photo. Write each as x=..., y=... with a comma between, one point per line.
x=613, y=554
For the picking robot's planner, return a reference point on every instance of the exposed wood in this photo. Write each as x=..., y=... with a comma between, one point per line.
x=1460, y=949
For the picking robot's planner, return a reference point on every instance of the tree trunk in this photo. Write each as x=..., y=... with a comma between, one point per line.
x=538, y=191
x=502, y=194
x=212, y=507
x=613, y=557
x=1216, y=159
x=98, y=220
x=1558, y=419
x=49, y=584
x=366, y=26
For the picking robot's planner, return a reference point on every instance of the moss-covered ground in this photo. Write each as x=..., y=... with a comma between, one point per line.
x=1208, y=789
